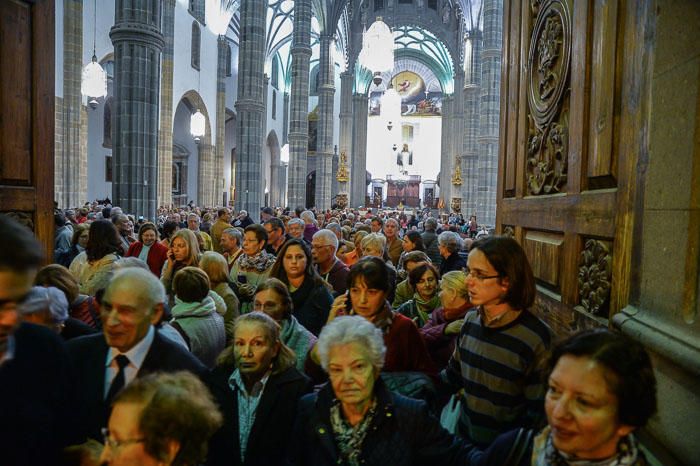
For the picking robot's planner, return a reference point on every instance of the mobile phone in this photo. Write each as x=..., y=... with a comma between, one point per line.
x=348, y=305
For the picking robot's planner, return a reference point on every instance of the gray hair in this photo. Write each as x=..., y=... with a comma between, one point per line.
x=234, y=233
x=375, y=241
x=295, y=221
x=352, y=329
x=49, y=299
x=430, y=223
x=392, y=220
x=144, y=283
x=334, y=227
x=328, y=237
x=307, y=216
x=132, y=261
x=450, y=240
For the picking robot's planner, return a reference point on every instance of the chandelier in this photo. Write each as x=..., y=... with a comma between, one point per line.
x=377, y=54
x=197, y=126
x=93, y=83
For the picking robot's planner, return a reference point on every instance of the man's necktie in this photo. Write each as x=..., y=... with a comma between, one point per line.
x=118, y=382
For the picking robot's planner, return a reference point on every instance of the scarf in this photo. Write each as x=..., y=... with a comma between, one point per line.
x=423, y=307
x=545, y=454
x=348, y=438
x=384, y=323
x=259, y=262
x=297, y=338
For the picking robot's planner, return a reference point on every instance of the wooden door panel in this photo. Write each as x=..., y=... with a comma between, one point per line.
x=602, y=115
x=15, y=93
x=561, y=102
x=27, y=117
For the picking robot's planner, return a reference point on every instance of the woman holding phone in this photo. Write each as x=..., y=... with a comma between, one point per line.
x=183, y=252
x=368, y=291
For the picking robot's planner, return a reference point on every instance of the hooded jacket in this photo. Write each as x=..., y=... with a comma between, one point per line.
x=202, y=327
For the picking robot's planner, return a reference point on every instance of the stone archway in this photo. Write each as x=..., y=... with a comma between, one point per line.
x=276, y=185
x=201, y=173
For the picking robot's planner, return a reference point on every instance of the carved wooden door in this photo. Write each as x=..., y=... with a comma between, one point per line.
x=568, y=150
x=27, y=114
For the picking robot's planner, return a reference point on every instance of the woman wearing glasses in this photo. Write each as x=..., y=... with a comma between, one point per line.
x=499, y=346
x=160, y=419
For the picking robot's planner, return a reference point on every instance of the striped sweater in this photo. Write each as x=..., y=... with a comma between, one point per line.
x=497, y=369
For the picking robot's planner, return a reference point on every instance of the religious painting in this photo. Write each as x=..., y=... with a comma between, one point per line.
x=416, y=100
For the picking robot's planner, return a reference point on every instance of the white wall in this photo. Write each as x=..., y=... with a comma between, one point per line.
x=426, y=147
x=182, y=136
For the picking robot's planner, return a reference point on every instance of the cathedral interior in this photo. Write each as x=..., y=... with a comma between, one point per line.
x=571, y=125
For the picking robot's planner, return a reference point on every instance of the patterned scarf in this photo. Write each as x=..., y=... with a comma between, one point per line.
x=348, y=438
x=424, y=307
x=545, y=454
x=259, y=262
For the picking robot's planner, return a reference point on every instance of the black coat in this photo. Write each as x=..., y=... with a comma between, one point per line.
x=37, y=399
x=312, y=303
x=274, y=418
x=403, y=432
x=89, y=355
x=453, y=262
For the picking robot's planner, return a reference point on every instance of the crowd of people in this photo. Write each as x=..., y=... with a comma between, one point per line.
x=207, y=336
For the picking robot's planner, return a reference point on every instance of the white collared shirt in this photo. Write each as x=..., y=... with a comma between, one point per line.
x=136, y=356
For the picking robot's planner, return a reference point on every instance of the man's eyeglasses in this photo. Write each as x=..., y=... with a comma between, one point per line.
x=478, y=276
x=116, y=444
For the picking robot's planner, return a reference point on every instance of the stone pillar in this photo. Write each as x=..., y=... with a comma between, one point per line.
x=446, y=151
x=345, y=138
x=138, y=43
x=470, y=146
x=358, y=162
x=250, y=108
x=219, y=180
x=165, y=134
x=299, y=125
x=71, y=142
x=456, y=132
x=324, y=152
x=490, y=110
x=285, y=120
x=266, y=182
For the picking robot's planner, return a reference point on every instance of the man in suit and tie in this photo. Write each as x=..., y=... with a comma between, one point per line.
x=129, y=347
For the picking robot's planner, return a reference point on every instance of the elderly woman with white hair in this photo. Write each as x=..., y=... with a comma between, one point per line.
x=48, y=306
x=355, y=419
x=449, y=244
x=441, y=330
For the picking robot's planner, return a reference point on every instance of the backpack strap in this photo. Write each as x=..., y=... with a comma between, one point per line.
x=176, y=325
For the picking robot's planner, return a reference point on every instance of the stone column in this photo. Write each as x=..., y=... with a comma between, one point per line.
x=298, y=124
x=456, y=132
x=219, y=180
x=470, y=147
x=358, y=173
x=445, y=151
x=324, y=151
x=490, y=108
x=285, y=120
x=138, y=43
x=266, y=182
x=165, y=134
x=345, y=138
x=250, y=108
x=71, y=141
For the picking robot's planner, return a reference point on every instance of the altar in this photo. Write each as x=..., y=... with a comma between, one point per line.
x=404, y=191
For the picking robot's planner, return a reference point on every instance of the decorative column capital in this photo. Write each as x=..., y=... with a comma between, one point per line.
x=137, y=32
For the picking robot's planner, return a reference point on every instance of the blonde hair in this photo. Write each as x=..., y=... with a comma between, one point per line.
x=456, y=280
x=190, y=240
x=374, y=241
x=215, y=266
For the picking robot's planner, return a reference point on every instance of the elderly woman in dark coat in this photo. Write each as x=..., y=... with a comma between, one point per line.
x=354, y=420
x=257, y=387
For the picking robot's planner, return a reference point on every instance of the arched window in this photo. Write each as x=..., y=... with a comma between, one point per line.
x=228, y=60
x=275, y=72
x=107, y=123
x=313, y=89
x=274, y=104
x=196, y=44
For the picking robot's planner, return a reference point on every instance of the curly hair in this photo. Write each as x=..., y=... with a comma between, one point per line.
x=175, y=407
